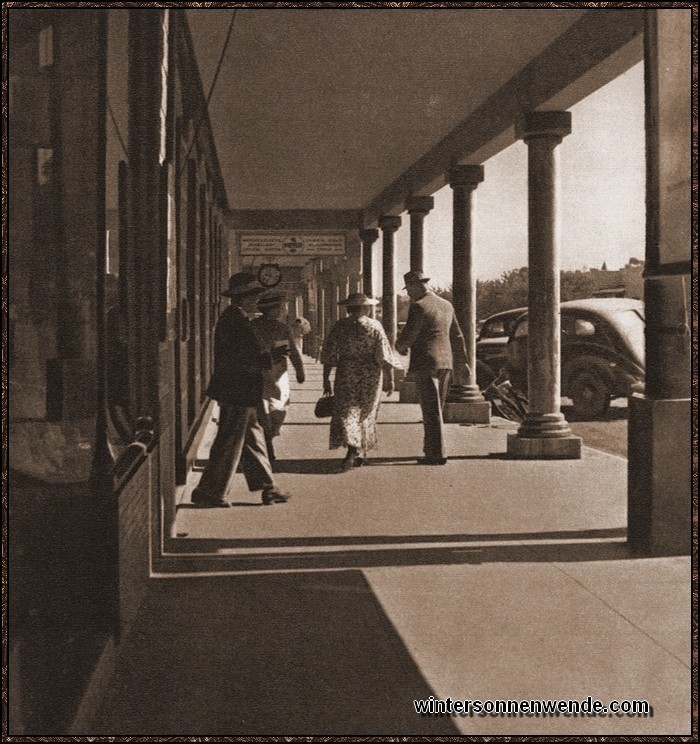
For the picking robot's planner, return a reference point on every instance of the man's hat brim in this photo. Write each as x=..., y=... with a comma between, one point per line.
x=419, y=281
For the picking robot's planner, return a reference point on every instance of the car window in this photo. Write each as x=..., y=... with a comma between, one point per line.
x=521, y=329
x=583, y=327
x=493, y=329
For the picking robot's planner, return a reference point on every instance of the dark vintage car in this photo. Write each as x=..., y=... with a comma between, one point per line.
x=602, y=352
x=491, y=344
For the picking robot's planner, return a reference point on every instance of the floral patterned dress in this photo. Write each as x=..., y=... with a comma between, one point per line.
x=359, y=349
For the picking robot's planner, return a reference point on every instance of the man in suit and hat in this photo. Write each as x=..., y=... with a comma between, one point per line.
x=435, y=339
x=236, y=385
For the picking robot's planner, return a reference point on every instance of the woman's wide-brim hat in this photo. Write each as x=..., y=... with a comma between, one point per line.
x=359, y=299
x=243, y=284
x=272, y=299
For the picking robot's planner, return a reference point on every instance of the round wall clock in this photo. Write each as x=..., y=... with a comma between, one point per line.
x=269, y=275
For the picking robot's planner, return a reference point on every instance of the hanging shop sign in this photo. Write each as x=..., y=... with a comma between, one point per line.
x=291, y=244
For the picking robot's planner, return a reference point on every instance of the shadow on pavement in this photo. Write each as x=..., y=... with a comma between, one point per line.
x=614, y=413
x=328, y=467
x=312, y=654
x=62, y=600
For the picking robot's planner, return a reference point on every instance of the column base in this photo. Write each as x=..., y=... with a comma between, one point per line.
x=544, y=436
x=465, y=394
x=561, y=448
x=474, y=412
x=659, y=490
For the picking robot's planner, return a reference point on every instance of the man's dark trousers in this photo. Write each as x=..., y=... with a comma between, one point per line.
x=240, y=438
x=432, y=387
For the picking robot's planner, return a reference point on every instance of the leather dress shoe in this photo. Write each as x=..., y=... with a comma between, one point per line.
x=273, y=496
x=431, y=460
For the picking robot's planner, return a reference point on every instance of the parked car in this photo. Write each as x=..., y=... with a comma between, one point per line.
x=491, y=344
x=602, y=352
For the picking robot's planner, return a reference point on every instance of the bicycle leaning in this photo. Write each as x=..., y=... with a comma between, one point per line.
x=506, y=401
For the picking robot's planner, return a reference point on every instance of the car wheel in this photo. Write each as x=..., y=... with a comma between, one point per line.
x=590, y=396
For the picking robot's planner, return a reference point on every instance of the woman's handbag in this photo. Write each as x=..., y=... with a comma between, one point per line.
x=324, y=406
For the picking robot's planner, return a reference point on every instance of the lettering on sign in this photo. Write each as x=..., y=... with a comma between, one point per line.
x=292, y=244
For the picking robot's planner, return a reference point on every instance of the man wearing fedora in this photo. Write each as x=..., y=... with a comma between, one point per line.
x=435, y=339
x=236, y=385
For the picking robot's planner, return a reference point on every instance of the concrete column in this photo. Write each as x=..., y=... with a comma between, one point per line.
x=335, y=299
x=545, y=433
x=418, y=207
x=659, y=507
x=368, y=237
x=145, y=193
x=389, y=224
x=321, y=311
x=465, y=403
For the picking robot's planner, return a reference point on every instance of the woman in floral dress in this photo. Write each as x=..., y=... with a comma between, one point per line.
x=360, y=351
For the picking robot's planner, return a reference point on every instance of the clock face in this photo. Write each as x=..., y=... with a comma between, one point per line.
x=269, y=275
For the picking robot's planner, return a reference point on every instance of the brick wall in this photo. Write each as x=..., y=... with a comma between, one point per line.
x=134, y=542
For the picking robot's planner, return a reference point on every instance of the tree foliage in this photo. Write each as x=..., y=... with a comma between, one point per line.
x=510, y=290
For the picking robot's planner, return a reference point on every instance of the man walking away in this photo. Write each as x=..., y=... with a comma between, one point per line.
x=236, y=385
x=435, y=339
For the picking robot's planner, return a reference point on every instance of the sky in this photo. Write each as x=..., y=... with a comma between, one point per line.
x=602, y=213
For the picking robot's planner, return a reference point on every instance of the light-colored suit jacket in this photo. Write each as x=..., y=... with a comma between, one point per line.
x=433, y=335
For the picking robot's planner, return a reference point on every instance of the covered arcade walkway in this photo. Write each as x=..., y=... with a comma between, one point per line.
x=471, y=580
x=393, y=504
x=489, y=578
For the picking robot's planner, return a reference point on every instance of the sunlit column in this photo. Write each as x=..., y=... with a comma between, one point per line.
x=369, y=237
x=418, y=208
x=389, y=224
x=465, y=403
x=545, y=433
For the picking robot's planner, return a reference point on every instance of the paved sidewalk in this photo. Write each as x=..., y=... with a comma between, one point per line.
x=500, y=580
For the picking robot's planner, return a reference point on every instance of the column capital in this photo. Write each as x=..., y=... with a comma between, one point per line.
x=389, y=222
x=553, y=124
x=419, y=204
x=468, y=176
x=369, y=235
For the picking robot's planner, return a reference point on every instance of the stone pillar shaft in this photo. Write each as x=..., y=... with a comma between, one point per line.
x=389, y=224
x=418, y=207
x=321, y=312
x=545, y=433
x=544, y=328
x=464, y=179
x=465, y=403
x=368, y=237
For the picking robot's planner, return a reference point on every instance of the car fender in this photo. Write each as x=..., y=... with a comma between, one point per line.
x=579, y=364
